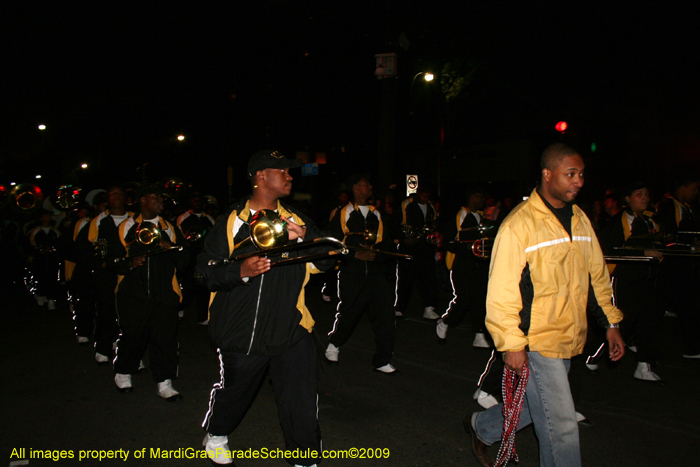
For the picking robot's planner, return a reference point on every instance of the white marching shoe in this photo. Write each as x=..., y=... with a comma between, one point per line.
x=387, y=369
x=441, y=331
x=123, y=383
x=644, y=373
x=484, y=399
x=217, y=449
x=101, y=359
x=429, y=313
x=480, y=341
x=168, y=392
x=332, y=353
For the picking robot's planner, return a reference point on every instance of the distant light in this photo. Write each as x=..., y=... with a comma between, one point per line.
x=561, y=127
x=12, y=184
x=181, y=137
x=429, y=76
x=84, y=166
x=42, y=127
x=593, y=147
x=38, y=176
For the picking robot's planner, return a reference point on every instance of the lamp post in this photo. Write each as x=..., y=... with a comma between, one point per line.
x=429, y=77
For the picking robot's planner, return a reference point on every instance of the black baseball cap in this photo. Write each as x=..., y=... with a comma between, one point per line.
x=355, y=178
x=270, y=159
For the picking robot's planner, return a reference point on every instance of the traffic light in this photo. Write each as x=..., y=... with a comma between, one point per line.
x=561, y=127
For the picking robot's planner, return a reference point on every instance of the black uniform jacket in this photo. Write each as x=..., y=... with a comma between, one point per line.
x=261, y=315
x=618, y=233
x=155, y=279
x=351, y=226
x=102, y=227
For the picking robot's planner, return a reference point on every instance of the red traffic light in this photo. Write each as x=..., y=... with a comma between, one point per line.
x=561, y=127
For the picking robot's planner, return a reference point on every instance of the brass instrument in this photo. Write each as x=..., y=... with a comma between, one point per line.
x=481, y=228
x=269, y=235
x=131, y=195
x=68, y=197
x=615, y=259
x=428, y=233
x=26, y=198
x=101, y=246
x=370, y=237
x=147, y=233
x=195, y=234
x=688, y=251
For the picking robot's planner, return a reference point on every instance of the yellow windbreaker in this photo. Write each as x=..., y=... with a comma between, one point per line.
x=550, y=317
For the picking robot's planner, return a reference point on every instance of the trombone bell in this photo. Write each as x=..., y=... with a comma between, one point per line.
x=267, y=230
x=148, y=233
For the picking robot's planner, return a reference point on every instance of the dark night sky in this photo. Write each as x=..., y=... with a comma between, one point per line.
x=115, y=85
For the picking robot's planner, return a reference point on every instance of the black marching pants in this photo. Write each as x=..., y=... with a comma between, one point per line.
x=359, y=294
x=106, y=326
x=419, y=274
x=469, y=286
x=147, y=323
x=294, y=380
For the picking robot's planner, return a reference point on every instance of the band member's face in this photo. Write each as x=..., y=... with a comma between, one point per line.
x=565, y=181
x=638, y=201
x=278, y=181
x=196, y=204
x=423, y=197
x=364, y=189
x=688, y=193
x=116, y=198
x=152, y=203
x=45, y=219
x=477, y=201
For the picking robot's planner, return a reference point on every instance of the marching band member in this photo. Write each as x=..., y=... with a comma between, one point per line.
x=259, y=320
x=148, y=297
x=362, y=284
x=634, y=283
x=195, y=225
x=99, y=250
x=679, y=276
x=419, y=273
x=44, y=241
x=469, y=275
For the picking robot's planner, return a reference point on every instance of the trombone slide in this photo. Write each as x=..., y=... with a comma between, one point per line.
x=381, y=252
x=342, y=249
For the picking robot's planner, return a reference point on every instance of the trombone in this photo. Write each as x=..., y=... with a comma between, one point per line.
x=147, y=234
x=370, y=236
x=270, y=236
x=666, y=251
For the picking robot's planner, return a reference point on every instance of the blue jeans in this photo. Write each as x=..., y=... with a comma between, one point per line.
x=549, y=406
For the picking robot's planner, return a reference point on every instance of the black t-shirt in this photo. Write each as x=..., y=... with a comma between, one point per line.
x=563, y=214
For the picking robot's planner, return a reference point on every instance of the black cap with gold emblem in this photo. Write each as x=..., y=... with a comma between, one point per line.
x=269, y=159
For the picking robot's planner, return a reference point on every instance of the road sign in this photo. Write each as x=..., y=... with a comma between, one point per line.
x=309, y=169
x=411, y=184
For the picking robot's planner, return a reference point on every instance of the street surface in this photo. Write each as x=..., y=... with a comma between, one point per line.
x=55, y=397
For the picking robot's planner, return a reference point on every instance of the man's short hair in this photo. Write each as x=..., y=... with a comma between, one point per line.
x=683, y=181
x=148, y=189
x=554, y=153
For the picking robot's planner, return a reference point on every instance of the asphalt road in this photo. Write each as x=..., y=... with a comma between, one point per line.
x=56, y=398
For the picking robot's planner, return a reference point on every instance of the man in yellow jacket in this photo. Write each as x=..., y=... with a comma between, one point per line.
x=545, y=260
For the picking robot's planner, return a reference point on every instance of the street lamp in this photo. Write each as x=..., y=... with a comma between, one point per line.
x=428, y=76
x=84, y=166
x=181, y=137
x=42, y=127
